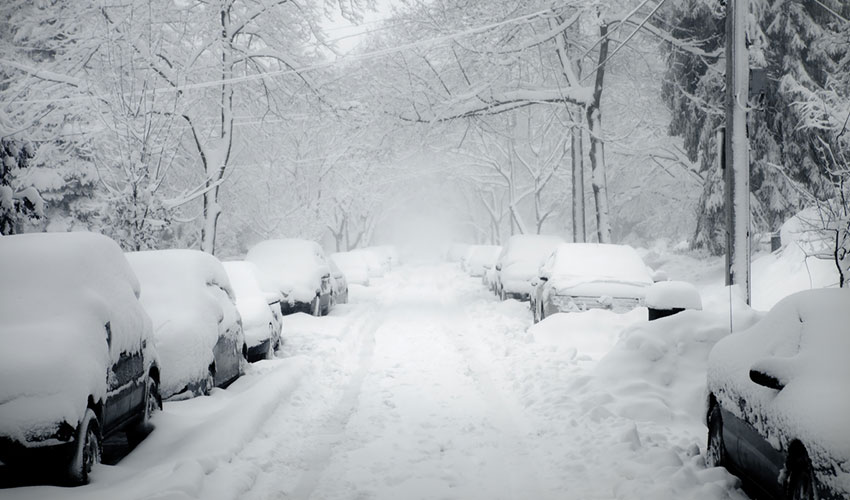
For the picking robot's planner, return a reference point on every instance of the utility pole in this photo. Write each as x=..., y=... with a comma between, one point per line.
x=736, y=146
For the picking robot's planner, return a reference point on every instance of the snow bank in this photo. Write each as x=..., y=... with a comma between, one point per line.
x=656, y=372
x=673, y=295
x=803, y=341
x=251, y=301
x=57, y=293
x=589, y=334
x=189, y=297
x=292, y=266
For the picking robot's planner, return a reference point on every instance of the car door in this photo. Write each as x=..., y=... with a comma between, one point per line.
x=125, y=386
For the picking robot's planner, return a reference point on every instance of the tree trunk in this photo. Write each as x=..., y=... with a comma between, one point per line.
x=597, y=152
x=579, y=228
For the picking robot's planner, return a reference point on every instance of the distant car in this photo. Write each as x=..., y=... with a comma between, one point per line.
x=376, y=265
x=353, y=265
x=387, y=253
x=339, y=284
x=456, y=251
x=197, y=327
x=479, y=258
x=519, y=262
x=779, y=405
x=299, y=270
x=256, y=308
x=582, y=276
x=77, y=358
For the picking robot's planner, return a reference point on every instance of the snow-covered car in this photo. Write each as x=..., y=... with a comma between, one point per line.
x=778, y=412
x=339, y=284
x=353, y=265
x=77, y=358
x=374, y=263
x=582, y=276
x=256, y=308
x=456, y=251
x=299, y=270
x=518, y=264
x=387, y=253
x=479, y=258
x=197, y=329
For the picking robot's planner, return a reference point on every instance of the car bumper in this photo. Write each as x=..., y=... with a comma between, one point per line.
x=14, y=453
x=259, y=351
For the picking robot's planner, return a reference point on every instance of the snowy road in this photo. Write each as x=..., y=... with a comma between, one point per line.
x=423, y=387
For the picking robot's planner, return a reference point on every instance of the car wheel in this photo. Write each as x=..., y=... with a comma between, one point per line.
x=209, y=382
x=715, y=452
x=153, y=404
x=88, y=449
x=272, y=343
x=801, y=480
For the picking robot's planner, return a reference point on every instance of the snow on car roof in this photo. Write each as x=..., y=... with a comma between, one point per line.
x=57, y=293
x=600, y=261
x=243, y=277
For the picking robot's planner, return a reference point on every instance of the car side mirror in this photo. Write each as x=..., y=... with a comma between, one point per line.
x=766, y=380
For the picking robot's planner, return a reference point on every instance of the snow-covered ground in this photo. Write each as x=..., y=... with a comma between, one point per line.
x=425, y=386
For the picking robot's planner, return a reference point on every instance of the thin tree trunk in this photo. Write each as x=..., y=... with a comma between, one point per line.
x=579, y=227
x=597, y=152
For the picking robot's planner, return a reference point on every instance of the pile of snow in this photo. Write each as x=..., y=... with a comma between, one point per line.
x=188, y=295
x=803, y=342
x=353, y=265
x=673, y=295
x=587, y=335
x=292, y=266
x=251, y=301
x=456, y=251
x=804, y=262
x=656, y=372
x=57, y=293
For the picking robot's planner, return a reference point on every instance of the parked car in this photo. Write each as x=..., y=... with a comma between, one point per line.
x=374, y=263
x=582, y=276
x=353, y=265
x=456, y=251
x=339, y=284
x=387, y=254
x=479, y=258
x=778, y=410
x=77, y=362
x=299, y=270
x=256, y=308
x=518, y=264
x=197, y=328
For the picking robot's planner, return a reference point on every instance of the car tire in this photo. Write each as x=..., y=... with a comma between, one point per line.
x=88, y=450
x=153, y=404
x=272, y=343
x=715, y=450
x=800, y=484
x=209, y=382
